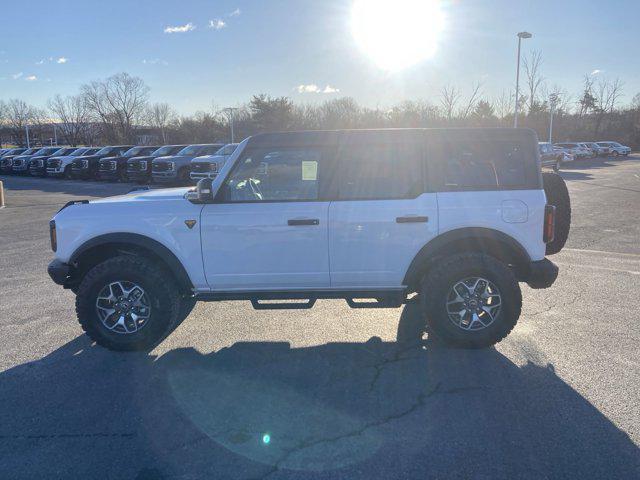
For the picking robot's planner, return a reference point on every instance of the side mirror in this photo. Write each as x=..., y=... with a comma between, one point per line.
x=203, y=192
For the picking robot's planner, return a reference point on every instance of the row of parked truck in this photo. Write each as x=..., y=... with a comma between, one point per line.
x=554, y=155
x=142, y=164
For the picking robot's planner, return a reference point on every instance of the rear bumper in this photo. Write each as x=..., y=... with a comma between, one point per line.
x=59, y=272
x=542, y=274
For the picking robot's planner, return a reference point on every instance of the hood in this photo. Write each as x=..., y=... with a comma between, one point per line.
x=112, y=158
x=143, y=157
x=210, y=158
x=159, y=194
x=22, y=157
x=173, y=158
x=88, y=157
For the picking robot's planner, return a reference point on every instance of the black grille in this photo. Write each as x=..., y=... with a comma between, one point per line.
x=200, y=167
x=161, y=167
x=17, y=163
x=53, y=163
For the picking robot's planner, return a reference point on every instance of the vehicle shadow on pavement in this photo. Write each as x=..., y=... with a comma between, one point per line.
x=405, y=409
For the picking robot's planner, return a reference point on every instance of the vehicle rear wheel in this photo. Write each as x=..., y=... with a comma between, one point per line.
x=470, y=300
x=127, y=303
x=557, y=195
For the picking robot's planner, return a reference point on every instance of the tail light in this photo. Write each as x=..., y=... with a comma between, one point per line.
x=549, y=223
x=53, y=235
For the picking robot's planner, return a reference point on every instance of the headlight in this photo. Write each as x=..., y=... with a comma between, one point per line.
x=172, y=166
x=85, y=163
x=143, y=165
x=214, y=167
x=52, y=235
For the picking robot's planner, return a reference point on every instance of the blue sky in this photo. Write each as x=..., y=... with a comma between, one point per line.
x=273, y=46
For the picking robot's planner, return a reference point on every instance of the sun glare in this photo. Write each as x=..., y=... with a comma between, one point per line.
x=397, y=33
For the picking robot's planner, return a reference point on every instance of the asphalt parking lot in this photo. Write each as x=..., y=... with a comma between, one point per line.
x=329, y=392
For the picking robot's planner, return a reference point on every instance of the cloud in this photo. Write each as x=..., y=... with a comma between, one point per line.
x=180, y=28
x=155, y=61
x=596, y=72
x=313, y=88
x=40, y=62
x=16, y=76
x=217, y=24
x=62, y=60
x=235, y=13
x=31, y=78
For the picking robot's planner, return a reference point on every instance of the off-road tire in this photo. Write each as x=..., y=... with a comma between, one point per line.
x=67, y=173
x=186, y=306
x=159, y=287
x=557, y=194
x=435, y=287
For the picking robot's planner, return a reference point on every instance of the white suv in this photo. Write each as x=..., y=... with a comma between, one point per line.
x=615, y=148
x=458, y=217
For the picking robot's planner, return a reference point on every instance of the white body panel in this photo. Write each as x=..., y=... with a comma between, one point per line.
x=517, y=213
x=158, y=215
x=250, y=246
x=368, y=248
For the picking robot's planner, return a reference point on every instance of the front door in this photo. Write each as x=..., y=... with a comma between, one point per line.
x=268, y=227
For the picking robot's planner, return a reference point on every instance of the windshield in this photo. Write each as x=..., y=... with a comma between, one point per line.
x=167, y=150
x=137, y=151
x=227, y=149
x=105, y=151
x=190, y=150
x=47, y=151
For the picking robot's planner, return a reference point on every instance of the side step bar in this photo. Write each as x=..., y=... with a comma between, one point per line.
x=255, y=303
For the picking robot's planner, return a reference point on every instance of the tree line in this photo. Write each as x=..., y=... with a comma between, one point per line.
x=117, y=110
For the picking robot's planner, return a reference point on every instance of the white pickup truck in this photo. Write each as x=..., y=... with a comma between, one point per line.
x=452, y=218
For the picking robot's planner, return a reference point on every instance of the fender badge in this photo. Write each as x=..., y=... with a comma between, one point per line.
x=190, y=223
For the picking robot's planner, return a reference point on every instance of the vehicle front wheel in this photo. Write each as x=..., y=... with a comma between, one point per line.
x=67, y=173
x=128, y=303
x=615, y=154
x=470, y=300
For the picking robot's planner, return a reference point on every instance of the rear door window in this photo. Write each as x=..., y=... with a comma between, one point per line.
x=372, y=171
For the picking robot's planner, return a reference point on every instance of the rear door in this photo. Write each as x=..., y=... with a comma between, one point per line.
x=383, y=213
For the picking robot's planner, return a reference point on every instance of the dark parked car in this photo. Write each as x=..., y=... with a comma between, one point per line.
x=114, y=168
x=177, y=168
x=38, y=163
x=139, y=168
x=7, y=157
x=86, y=167
x=6, y=166
x=22, y=162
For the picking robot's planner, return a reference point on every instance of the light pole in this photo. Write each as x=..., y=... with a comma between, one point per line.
x=230, y=111
x=553, y=101
x=521, y=35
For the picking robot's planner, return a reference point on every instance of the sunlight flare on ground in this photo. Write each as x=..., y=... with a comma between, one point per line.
x=397, y=33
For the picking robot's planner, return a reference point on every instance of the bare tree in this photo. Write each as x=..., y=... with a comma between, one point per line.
x=19, y=115
x=473, y=99
x=450, y=97
x=119, y=102
x=535, y=79
x=161, y=116
x=73, y=118
x=504, y=105
x=587, y=100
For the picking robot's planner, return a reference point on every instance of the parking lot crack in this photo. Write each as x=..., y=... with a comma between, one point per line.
x=417, y=404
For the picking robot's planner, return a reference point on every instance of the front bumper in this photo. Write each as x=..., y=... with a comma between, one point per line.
x=201, y=175
x=37, y=171
x=542, y=274
x=20, y=168
x=137, y=175
x=107, y=174
x=160, y=177
x=59, y=272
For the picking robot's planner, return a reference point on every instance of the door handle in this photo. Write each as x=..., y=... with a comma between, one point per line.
x=295, y=222
x=412, y=219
